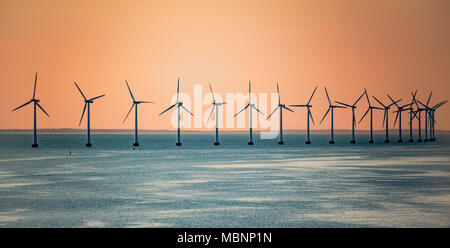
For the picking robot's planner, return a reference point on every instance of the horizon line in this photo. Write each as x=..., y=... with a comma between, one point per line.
x=83, y=130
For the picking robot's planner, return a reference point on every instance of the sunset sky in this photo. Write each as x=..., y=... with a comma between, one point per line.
x=385, y=46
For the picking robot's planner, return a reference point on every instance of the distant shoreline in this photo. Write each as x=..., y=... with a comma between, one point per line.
x=245, y=131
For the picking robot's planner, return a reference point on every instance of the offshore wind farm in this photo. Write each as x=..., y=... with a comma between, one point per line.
x=159, y=185
x=270, y=114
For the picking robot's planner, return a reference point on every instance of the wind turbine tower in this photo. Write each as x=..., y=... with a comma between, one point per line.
x=135, y=105
x=370, y=108
x=87, y=103
x=353, y=107
x=308, y=115
x=35, y=103
x=332, y=107
x=252, y=106
x=179, y=105
x=386, y=116
x=280, y=107
x=215, y=107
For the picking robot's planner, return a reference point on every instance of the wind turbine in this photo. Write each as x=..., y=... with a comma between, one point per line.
x=426, y=116
x=386, y=116
x=281, y=107
x=35, y=103
x=370, y=108
x=398, y=116
x=418, y=116
x=87, y=102
x=353, y=107
x=135, y=104
x=179, y=105
x=215, y=107
x=431, y=120
x=252, y=106
x=411, y=112
x=332, y=107
x=433, y=109
x=308, y=106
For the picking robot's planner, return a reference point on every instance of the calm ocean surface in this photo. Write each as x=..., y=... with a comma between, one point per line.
x=232, y=185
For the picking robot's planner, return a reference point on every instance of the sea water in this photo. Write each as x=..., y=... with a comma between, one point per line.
x=64, y=184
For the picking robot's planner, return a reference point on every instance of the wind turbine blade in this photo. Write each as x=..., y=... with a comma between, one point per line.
x=344, y=104
x=84, y=109
x=80, y=90
x=413, y=96
x=186, y=109
x=327, y=95
x=288, y=109
x=394, y=103
x=273, y=112
x=132, y=97
x=367, y=96
x=312, y=95
x=249, y=91
x=406, y=105
x=379, y=101
x=92, y=99
x=425, y=106
x=145, y=102
x=396, y=117
x=417, y=104
x=429, y=98
x=214, y=99
x=257, y=110
x=377, y=108
x=35, y=82
x=242, y=110
x=42, y=109
x=278, y=91
x=132, y=105
x=167, y=109
x=212, y=111
x=312, y=119
x=359, y=98
x=298, y=105
x=364, y=115
x=178, y=90
x=325, y=114
x=22, y=105
x=443, y=103
x=384, y=116
x=439, y=104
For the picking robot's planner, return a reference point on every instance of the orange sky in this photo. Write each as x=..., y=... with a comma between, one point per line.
x=386, y=46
